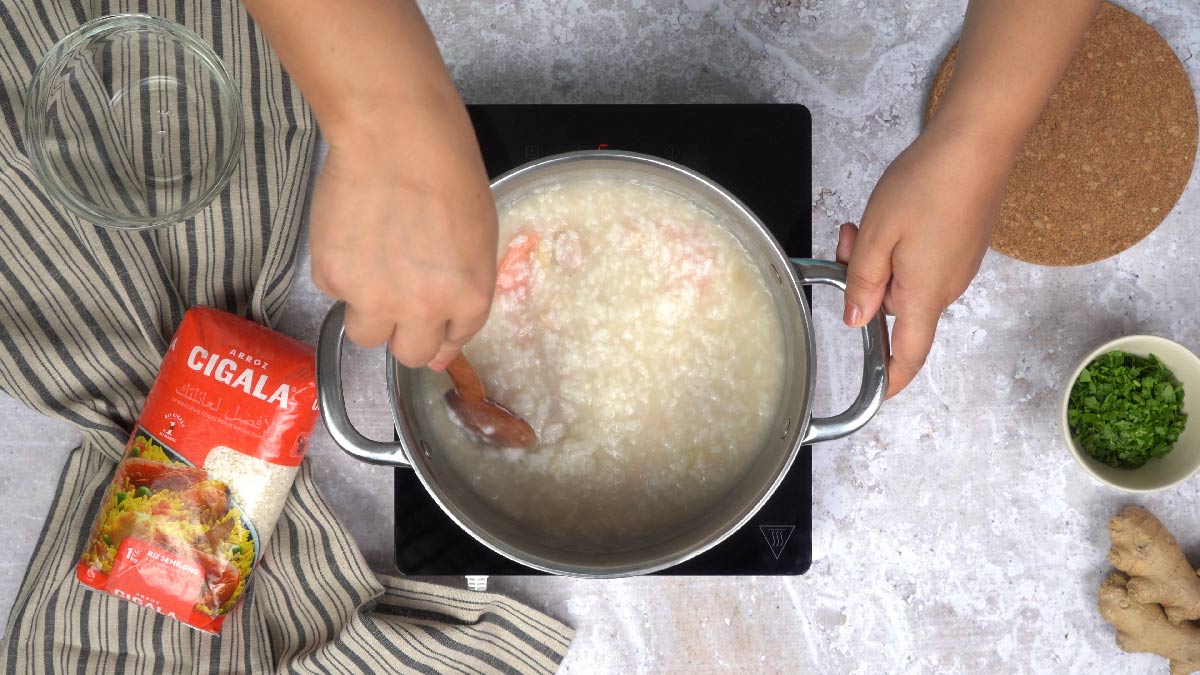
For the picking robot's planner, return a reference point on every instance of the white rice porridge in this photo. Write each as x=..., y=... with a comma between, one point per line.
x=639, y=340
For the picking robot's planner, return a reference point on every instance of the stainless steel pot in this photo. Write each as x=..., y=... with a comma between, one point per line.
x=794, y=424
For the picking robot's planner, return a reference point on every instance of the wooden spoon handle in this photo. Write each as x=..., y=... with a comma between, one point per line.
x=466, y=381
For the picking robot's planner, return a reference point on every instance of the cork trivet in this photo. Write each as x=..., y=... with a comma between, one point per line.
x=1109, y=156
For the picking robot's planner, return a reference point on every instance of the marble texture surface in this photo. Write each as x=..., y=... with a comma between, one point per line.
x=954, y=534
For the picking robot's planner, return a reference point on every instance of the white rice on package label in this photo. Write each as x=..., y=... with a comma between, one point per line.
x=207, y=470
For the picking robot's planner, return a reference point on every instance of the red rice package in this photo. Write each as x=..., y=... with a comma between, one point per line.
x=206, y=471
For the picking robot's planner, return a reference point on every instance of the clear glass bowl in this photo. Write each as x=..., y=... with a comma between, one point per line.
x=133, y=122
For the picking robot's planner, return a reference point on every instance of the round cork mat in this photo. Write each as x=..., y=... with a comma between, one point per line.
x=1109, y=156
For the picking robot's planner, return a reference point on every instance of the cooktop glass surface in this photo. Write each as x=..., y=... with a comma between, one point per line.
x=762, y=154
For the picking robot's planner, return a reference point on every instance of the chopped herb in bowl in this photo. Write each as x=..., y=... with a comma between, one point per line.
x=1125, y=410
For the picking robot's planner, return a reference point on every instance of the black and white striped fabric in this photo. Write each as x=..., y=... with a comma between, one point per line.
x=85, y=316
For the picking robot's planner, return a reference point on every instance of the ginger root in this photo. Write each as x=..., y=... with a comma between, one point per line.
x=1153, y=604
x=1158, y=571
x=1145, y=628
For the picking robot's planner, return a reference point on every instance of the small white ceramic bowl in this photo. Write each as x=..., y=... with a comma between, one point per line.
x=1180, y=463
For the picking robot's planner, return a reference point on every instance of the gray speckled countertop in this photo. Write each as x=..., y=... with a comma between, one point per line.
x=954, y=534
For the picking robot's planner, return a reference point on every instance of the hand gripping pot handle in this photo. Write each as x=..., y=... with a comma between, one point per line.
x=333, y=401
x=874, y=381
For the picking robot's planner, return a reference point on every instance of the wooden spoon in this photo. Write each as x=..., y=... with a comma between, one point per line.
x=490, y=422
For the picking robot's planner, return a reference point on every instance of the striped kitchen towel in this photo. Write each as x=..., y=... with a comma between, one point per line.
x=85, y=317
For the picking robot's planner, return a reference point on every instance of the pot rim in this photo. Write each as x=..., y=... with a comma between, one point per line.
x=785, y=267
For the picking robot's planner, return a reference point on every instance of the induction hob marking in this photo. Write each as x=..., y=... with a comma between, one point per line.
x=777, y=537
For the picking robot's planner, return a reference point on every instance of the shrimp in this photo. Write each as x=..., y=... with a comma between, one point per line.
x=159, y=475
x=692, y=263
x=515, y=268
x=221, y=579
x=210, y=499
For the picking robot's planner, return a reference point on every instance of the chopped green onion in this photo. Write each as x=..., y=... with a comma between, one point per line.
x=1125, y=410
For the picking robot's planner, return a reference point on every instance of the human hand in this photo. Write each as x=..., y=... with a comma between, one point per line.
x=922, y=238
x=404, y=230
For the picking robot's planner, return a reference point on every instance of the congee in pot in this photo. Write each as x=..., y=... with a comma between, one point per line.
x=638, y=338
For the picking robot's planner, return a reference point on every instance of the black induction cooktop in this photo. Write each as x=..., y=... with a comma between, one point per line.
x=762, y=154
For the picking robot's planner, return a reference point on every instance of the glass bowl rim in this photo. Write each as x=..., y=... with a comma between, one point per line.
x=50, y=67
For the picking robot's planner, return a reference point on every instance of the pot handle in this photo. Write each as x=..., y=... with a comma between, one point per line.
x=333, y=401
x=874, y=382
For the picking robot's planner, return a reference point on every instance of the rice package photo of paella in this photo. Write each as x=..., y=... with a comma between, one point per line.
x=207, y=470
x=177, y=512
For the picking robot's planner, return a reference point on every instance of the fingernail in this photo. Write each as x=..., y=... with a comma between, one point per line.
x=852, y=315
x=438, y=367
